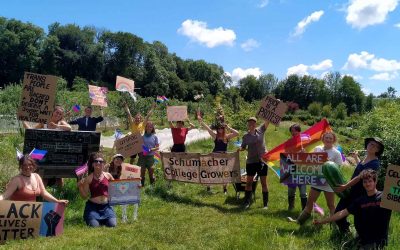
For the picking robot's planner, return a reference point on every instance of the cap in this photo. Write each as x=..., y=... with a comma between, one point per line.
x=252, y=119
x=377, y=140
x=118, y=155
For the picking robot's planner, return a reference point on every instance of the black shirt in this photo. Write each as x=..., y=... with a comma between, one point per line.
x=89, y=125
x=370, y=219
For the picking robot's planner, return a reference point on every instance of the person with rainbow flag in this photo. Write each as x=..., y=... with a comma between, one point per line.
x=146, y=157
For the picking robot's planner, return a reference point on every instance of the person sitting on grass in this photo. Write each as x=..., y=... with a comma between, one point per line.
x=95, y=185
x=179, y=133
x=370, y=219
x=27, y=185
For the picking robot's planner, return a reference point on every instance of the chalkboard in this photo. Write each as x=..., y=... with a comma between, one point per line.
x=66, y=150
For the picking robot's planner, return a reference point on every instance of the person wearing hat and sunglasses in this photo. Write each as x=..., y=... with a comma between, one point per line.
x=374, y=150
x=253, y=141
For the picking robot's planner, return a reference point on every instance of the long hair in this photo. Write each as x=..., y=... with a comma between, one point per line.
x=27, y=158
x=112, y=168
x=221, y=135
x=92, y=157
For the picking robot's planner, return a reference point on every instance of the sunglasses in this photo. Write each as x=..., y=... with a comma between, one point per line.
x=98, y=161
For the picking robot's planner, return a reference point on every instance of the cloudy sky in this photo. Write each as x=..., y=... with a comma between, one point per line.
x=354, y=37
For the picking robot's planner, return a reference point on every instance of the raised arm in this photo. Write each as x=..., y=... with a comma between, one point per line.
x=191, y=125
x=153, y=106
x=129, y=113
x=210, y=131
x=233, y=133
x=171, y=125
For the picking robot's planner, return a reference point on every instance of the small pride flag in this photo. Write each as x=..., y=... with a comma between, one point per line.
x=81, y=170
x=161, y=99
x=305, y=137
x=146, y=150
x=318, y=209
x=76, y=108
x=157, y=157
x=38, y=154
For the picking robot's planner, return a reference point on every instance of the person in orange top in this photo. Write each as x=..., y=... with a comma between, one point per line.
x=27, y=185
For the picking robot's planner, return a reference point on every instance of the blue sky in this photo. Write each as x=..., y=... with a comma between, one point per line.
x=354, y=37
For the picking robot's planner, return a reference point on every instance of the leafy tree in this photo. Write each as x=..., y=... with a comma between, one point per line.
x=369, y=102
x=340, y=111
x=327, y=111
x=315, y=108
x=350, y=93
x=250, y=89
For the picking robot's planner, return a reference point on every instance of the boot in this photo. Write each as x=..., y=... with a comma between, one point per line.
x=265, y=199
x=291, y=203
x=303, y=217
x=142, y=181
x=303, y=203
x=247, y=200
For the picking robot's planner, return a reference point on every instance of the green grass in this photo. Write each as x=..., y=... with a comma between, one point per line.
x=187, y=217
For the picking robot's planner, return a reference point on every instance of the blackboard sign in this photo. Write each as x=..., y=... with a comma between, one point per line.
x=66, y=150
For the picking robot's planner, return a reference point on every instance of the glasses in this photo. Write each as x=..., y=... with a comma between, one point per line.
x=98, y=161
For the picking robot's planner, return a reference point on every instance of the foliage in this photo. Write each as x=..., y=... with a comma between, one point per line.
x=326, y=111
x=340, y=111
x=315, y=108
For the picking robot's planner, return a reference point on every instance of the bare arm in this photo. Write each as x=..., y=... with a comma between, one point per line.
x=349, y=184
x=10, y=189
x=171, y=125
x=37, y=126
x=153, y=106
x=63, y=125
x=233, y=133
x=191, y=125
x=213, y=135
x=337, y=216
x=83, y=186
x=46, y=195
x=129, y=113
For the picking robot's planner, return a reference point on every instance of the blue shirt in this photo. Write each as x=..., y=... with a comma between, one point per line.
x=150, y=142
x=358, y=189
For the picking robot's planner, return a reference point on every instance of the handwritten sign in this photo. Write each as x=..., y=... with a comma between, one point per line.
x=98, y=95
x=124, y=84
x=177, y=113
x=23, y=220
x=38, y=96
x=129, y=145
x=303, y=168
x=130, y=171
x=391, y=191
x=272, y=110
x=205, y=169
x=122, y=192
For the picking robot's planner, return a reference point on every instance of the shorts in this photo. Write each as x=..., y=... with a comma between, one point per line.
x=178, y=148
x=259, y=167
x=133, y=156
x=146, y=161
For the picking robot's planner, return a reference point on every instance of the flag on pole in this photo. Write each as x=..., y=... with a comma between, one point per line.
x=38, y=154
x=19, y=154
x=81, y=170
x=318, y=209
x=76, y=108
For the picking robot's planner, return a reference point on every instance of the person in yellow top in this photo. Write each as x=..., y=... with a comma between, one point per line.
x=137, y=124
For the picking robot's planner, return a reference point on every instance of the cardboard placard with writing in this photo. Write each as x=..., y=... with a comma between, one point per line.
x=177, y=113
x=38, y=97
x=391, y=191
x=130, y=171
x=272, y=110
x=98, y=95
x=122, y=192
x=205, y=169
x=129, y=145
x=303, y=168
x=23, y=219
x=124, y=84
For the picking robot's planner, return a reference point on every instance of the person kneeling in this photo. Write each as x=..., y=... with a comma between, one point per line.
x=370, y=219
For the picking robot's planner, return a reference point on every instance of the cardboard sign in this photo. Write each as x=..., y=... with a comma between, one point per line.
x=303, y=168
x=130, y=171
x=98, y=95
x=213, y=168
x=124, y=84
x=23, y=220
x=129, y=145
x=272, y=110
x=391, y=191
x=122, y=192
x=38, y=96
x=177, y=113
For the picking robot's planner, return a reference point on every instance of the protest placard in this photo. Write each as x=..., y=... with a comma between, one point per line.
x=272, y=110
x=129, y=145
x=177, y=113
x=98, y=95
x=38, y=96
x=122, y=192
x=303, y=168
x=205, y=169
x=124, y=84
x=391, y=191
x=23, y=219
x=130, y=171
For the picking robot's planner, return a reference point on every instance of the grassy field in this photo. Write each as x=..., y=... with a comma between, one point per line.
x=186, y=216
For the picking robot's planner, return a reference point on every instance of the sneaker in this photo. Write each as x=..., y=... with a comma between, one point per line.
x=225, y=191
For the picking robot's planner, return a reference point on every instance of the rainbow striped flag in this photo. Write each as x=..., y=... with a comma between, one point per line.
x=307, y=140
x=38, y=154
x=157, y=157
x=161, y=99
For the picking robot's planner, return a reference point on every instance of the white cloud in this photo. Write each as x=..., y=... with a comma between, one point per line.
x=301, y=26
x=249, y=45
x=363, y=13
x=263, y=3
x=239, y=73
x=381, y=64
x=384, y=76
x=303, y=69
x=366, y=91
x=397, y=25
x=197, y=31
x=355, y=77
x=365, y=60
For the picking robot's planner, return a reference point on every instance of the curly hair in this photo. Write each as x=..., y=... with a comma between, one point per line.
x=27, y=158
x=93, y=156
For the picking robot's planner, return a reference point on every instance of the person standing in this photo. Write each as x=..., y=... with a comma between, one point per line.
x=87, y=123
x=146, y=160
x=253, y=141
x=179, y=133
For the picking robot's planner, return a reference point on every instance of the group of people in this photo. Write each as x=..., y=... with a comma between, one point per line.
x=371, y=221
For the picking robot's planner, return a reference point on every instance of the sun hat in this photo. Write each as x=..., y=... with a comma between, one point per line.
x=377, y=140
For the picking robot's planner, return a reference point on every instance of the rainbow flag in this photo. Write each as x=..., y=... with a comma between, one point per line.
x=157, y=157
x=307, y=140
x=38, y=154
x=76, y=108
x=161, y=99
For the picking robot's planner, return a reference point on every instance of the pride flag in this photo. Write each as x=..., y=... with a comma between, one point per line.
x=161, y=99
x=307, y=140
x=76, y=108
x=318, y=209
x=38, y=154
x=157, y=157
x=81, y=170
x=145, y=149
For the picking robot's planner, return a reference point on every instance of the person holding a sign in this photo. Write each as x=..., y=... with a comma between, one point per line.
x=179, y=133
x=370, y=219
x=95, y=187
x=137, y=124
x=254, y=142
x=27, y=185
x=221, y=139
x=56, y=121
x=146, y=159
x=374, y=148
x=87, y=123
x=328, y=139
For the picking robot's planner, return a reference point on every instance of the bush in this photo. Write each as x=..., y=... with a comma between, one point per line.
x=340, y=111
x=315, y=108
x=326, y=111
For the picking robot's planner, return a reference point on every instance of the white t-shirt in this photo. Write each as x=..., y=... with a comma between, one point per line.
x=333, y=155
